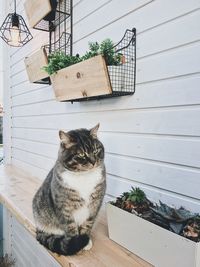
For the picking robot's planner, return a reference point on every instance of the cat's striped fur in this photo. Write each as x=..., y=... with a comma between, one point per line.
x=67, y=203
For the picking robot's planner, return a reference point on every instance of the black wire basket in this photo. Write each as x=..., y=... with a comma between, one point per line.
x=59, y=25
x=123, y=76
x=60, y=12
x=62, y=44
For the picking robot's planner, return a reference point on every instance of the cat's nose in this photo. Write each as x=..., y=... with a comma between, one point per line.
x=92, y=161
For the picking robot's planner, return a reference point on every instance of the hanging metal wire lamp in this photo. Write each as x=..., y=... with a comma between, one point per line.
x=14, y=30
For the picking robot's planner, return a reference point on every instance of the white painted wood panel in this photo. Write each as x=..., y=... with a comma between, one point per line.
x=27, y=250
x=35, y=159
x=177, y=32
x=116, y=11
x=179, y=62
x=26, y=87
x=165, y=12
x=155, y=94
x=36, y=171
x=170, y=121
x=182, y=151
x=161, y=175
x=80, y=12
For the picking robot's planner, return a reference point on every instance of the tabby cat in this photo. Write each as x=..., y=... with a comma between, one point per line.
x=67, y=203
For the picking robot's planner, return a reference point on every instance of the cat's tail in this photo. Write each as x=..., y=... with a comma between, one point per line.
x=60, y=244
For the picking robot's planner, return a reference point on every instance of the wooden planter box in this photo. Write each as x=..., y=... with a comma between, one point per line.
x=36, y=10
x=152, y=243
x=83, y=80
x=34, y=65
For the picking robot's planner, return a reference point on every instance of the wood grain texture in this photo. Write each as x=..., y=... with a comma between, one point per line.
x=36, y=10
x=17, y=189
x=34, y=65
x=85, y=79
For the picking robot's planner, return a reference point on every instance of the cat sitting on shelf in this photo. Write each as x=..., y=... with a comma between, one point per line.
x=67, y=203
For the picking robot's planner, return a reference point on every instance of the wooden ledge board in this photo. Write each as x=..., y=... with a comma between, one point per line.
x=17, y=189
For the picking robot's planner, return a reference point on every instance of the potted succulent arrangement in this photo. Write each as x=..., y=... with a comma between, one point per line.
x=162, y=235
x=76, y=77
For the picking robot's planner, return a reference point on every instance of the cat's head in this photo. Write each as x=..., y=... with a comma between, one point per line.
x=80, y=150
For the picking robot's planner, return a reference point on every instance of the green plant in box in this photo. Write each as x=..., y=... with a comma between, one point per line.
x=58, y=60
x=136, y=195
x=133, y=201
x=108, y=51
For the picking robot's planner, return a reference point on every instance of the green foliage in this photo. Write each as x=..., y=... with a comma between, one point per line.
x=136, y=195
x=93, y=51
x=59, y=60
x=108, y=51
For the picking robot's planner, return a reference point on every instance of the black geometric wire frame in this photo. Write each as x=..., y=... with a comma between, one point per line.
x=5, y=30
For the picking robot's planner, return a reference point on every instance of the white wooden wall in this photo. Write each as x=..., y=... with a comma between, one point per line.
x=23, y=248
x=152, y=139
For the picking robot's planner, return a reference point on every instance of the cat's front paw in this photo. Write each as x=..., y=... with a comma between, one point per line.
x=89, y=245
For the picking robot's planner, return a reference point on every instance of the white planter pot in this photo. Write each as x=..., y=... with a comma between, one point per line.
x=152, y=243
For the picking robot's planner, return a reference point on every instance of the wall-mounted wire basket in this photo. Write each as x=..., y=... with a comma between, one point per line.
x=122, y=77
x=62, y=12
x=62, y=44
x=60, y=38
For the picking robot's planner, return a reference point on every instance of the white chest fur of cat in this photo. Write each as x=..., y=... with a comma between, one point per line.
x=84, y=183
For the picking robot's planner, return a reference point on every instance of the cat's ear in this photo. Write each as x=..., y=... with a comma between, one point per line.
x=65, y=138
x=62, y=135
x=94, y=130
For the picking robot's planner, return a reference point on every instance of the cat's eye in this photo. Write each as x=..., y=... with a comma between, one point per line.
x=81, y=155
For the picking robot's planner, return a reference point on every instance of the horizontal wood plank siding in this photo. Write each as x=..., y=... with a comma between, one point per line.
x=31, y=255
x=156, y=130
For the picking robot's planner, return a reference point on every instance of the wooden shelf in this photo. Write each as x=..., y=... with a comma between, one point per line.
x=17, y=189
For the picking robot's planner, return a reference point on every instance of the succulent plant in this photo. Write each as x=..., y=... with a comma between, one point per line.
x=136, y=195
x=171, y=214
x=134, y=201
x=176, y=219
